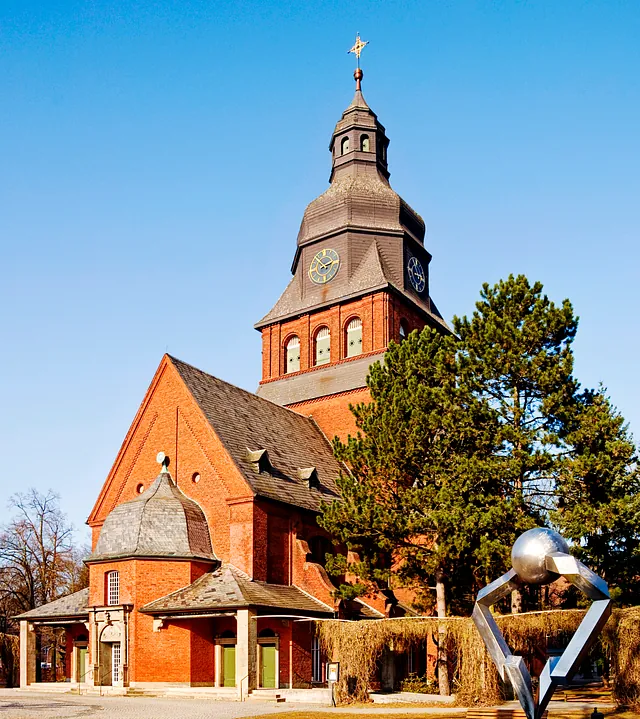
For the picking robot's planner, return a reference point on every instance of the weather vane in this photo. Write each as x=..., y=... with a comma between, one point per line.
x=357, y=48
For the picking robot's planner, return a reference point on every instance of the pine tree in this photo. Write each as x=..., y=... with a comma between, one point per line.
x=469, y=440
x=598, y=495
x=516, y=355
x=420, y=502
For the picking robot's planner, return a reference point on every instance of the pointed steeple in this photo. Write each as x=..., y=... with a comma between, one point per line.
x=359, y=140
x=360, y=266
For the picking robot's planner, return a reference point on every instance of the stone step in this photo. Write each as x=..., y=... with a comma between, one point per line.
x=265, y=695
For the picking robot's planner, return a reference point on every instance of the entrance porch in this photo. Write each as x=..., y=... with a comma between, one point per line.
x=245, y=634
x=54, y=643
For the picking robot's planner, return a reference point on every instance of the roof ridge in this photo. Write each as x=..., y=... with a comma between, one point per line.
x=235, y=386
x=144, y=501
x=315, y=599
x=233, y=568
x=369, y=606
x=242, y=419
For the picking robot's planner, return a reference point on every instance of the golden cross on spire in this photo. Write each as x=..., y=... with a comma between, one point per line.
x=357, y=48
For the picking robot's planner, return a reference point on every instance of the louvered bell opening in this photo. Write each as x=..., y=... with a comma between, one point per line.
x=323, y=346
x=354, y=337
x=292, y=355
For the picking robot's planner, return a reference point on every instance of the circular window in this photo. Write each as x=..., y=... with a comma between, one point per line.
x=140, y=488
x=196, y=477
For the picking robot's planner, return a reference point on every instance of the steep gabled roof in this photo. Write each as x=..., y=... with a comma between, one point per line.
x=246, y=423
x=227, y=588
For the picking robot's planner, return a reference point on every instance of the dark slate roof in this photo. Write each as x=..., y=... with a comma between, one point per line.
x=369, y=275
x=330, y=379
x=246, y=423
x=227, y=588
x=364, y=611
x=70, y=607
x=363, y=219
x=161, y=522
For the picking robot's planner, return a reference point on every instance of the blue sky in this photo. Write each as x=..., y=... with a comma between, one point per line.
x=156, y=159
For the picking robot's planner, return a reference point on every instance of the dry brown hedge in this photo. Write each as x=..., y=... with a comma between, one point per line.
x=359, y=645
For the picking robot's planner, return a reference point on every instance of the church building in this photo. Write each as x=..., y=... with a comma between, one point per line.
x=209, y=572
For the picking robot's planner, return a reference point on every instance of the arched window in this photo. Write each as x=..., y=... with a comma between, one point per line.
x=354, y=337
x=113, y=588
x=344, y=146
x=292, y=355
x=364, y=143
x=403, y=330
x=323, y=346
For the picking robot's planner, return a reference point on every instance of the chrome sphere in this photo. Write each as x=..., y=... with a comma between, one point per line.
x=529, y=552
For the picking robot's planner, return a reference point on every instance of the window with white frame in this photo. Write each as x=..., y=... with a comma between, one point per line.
x=354, y=337
x=113, y=588
x=323, y=346
x=116, y=660
x=292, y=354
x=316, y=661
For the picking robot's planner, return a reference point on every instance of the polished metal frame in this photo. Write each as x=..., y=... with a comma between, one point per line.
x=557, y=671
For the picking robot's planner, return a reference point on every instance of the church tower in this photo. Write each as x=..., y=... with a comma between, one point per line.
x=360, y=280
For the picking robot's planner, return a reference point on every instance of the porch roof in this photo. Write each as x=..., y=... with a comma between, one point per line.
x=227, y=587
x=73, y=606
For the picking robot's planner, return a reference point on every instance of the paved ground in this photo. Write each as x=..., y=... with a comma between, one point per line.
x=16, y=704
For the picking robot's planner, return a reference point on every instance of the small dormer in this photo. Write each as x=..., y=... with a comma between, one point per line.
x=310, y=476
x=259, y=458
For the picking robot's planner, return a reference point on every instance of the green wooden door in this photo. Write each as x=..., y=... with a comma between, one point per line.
x=229, y=665
x=268, y=664
x=81, y=664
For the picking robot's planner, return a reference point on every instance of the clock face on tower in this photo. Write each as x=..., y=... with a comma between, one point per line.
x=417, y=275
x=324, y=266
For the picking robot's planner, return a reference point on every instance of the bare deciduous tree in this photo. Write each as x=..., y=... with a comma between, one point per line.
x=38, y=559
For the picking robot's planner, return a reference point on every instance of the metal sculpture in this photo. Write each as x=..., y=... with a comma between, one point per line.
x=540, y=556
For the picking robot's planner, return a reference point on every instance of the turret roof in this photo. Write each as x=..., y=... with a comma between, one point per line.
x=161, y=522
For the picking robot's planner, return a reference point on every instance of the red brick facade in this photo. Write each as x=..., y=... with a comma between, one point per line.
x=382, y=315
x=266, y=540
x=269, y=537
